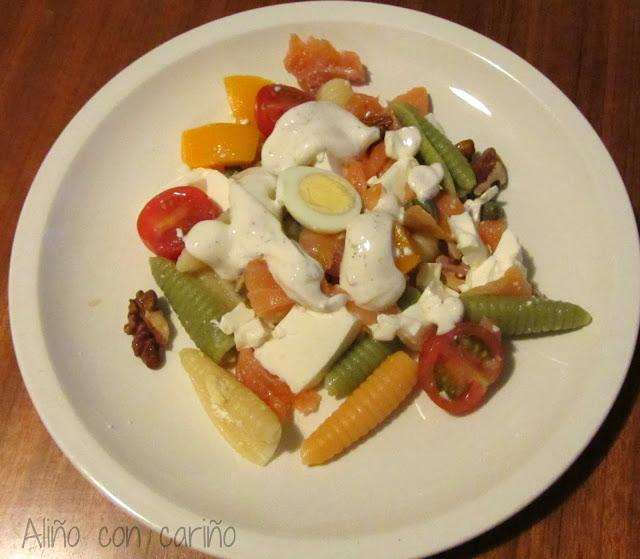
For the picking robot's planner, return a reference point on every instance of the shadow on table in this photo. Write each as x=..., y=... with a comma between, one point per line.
x=577, y=473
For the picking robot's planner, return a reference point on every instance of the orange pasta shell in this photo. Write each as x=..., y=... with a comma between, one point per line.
x=369, y=404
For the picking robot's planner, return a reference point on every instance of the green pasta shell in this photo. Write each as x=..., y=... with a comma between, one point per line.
x=359, y=361
x=197, y=305
x=525, y=315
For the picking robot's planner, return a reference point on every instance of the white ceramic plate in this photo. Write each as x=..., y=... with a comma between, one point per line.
x=426, y=481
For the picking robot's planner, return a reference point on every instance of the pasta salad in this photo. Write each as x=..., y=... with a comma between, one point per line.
x=328, y=242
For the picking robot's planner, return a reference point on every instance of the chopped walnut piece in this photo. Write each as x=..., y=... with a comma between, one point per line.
x=149, y=328
x=489, y=170
x=466, y=148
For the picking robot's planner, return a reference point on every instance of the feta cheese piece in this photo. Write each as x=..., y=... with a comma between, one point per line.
x=425, y=180
x=305, y=343
x=388, y=204
x=251, y=334
x=436, y=306
x=247, y=329
x=403, y=143
x=475, y=206
x=395, y=177
x=235, y=318
x=508, y=253
x=474, y=251
x=218, y=188
x=213, y=182
x=386, y=327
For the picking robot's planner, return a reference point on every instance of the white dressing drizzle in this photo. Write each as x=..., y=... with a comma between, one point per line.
x=307, y=130
x=254, y=232
x=368, y=272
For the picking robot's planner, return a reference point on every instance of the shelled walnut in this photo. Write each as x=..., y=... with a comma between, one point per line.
x=466, y=148
x=149, y=328
x=489, y=170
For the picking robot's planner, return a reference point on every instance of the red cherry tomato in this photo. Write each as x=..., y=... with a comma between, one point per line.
x=457, y=368
x=171, y=214
x=275, y=99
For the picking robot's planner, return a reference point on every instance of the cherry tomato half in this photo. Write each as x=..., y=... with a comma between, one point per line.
x=171, y=214
x=275, y=99
x=457, y=368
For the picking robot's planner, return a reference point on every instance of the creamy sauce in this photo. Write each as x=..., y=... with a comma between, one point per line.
x=316, y=127
x=368, y=272
x=254, y=232
x=261, y=184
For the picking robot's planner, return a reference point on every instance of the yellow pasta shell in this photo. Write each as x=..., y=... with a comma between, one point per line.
x=242, y=418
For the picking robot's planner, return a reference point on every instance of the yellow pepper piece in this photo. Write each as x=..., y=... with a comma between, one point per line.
x=241, y=92
x=407, y=256
x=220, y=145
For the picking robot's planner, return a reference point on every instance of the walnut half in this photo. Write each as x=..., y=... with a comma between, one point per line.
x=489, y=170
x=149, y=328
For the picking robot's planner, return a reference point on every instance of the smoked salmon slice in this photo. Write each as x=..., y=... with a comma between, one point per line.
x=316, y=61
x=267, y=298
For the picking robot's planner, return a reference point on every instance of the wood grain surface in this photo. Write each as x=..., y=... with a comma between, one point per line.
x=54, y=55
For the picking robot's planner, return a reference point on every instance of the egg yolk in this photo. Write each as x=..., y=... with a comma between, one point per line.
x=325, y=194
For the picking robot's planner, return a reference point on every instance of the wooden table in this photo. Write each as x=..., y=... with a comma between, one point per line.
x=55, y=54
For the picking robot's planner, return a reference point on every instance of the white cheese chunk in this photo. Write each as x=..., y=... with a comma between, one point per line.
x=464, y=230
x=396, y=177
x=475, y=206
x=425, y=180
x=213, y=182
x=436, y=305
x=508, y=253
x=251, y=334
x=388, y=204
x=235, y=318
x=305, y=343
x=402, y=143
x=247, y=329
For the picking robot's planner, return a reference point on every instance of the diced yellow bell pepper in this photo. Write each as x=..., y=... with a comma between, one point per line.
x=241, y=92
x=407, y=256
x=220, y=145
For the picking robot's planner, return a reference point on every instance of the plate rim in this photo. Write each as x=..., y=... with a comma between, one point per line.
x=114, y=481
